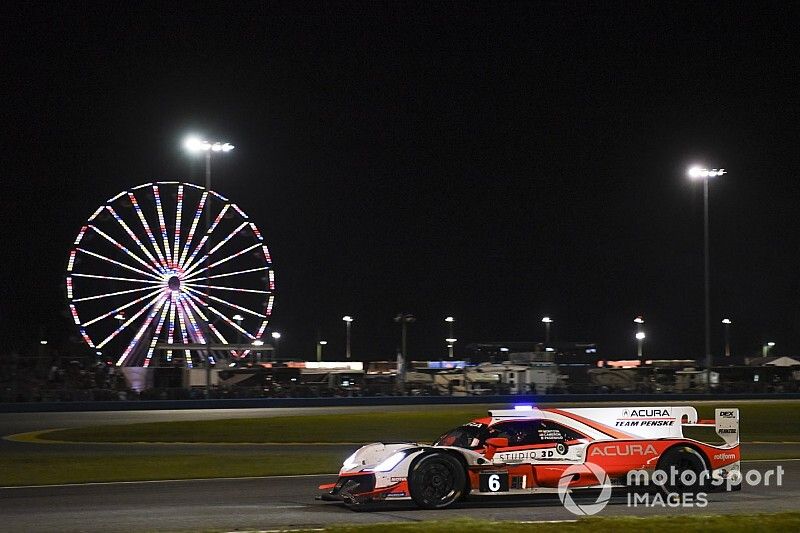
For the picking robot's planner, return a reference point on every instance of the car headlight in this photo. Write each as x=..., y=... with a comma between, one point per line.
x=390, y=462
x=350, y=462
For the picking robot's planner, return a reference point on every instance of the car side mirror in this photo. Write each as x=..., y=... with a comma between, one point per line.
x=492, y=445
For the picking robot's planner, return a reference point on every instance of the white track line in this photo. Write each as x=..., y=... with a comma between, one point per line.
x=143, y=482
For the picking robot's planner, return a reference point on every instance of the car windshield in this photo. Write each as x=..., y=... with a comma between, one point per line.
x=469, y=436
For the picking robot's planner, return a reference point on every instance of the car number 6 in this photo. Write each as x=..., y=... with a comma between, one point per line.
x=494, y=482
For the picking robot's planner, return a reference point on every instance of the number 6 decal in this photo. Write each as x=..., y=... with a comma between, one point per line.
x=493, y=482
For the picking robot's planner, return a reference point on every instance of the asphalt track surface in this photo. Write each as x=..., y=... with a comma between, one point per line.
x=288, y=502
x=283, y=502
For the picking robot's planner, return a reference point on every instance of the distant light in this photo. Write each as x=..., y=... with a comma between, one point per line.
x=503, y=349
x=451, y=340
x=98, y=353
x=323, y=343
x=196, y=144
x=640, y=335
x=119, y=316
x=42, y=342
x=347, y=318
x=276, y=335
x=548, y=349
x=547, y=320
x=638, y=320
x=726, y=321
x=237, y=317
x=193, y=144
x=231, y=365
x=258, y=342
x=770, y=344
x=699, y=172
x=523, y=408
x=449, y=319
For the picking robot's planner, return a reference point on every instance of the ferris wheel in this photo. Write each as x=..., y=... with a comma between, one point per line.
x=140, y=273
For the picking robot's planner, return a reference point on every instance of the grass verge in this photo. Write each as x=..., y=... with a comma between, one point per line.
x=660, y=524
x=50, y=469
x=760, y=421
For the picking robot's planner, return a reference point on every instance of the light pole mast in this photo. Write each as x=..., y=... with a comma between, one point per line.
x=726, y=323
x=706, y=174
x=197, y=145
x=451, y=339
x=547, y=321
x=639, y=335
x=348, y=320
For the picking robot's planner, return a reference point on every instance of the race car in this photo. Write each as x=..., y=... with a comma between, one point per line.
x=529, y=450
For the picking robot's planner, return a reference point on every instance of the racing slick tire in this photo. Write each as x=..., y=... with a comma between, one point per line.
x=436, y=481
x=676, y=463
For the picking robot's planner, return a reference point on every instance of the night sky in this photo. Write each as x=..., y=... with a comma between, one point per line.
x=493, y=161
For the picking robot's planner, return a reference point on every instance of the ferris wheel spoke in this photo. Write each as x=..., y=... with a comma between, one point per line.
x=133, y=236
x=191, y=305
x=192, y=229
x=138, y=337
x=200, y=273
x=201, y=285
x=229, y=304
x=228, y=237
x=129, y=321
x=123, y=265
x=217, y=333
x=147, y=230
x=158, y=291
x=231, y=323
x=117, y=278
x=184, y=334
x=178, y=214
x=110, y=294
x=221, y=261
x=156, y=334
x=187, y=306
x=123, y=248
x=171, y=328
x=162, y=226
x=186, y=266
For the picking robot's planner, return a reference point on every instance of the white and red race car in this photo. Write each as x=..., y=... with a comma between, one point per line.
x=528, y=450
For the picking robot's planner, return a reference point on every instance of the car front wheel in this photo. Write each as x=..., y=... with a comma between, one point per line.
x=436, y=481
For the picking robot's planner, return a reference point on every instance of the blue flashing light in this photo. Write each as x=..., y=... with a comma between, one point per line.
x=523, y=408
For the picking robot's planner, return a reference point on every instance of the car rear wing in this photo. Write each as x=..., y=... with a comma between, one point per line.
x=725, y=423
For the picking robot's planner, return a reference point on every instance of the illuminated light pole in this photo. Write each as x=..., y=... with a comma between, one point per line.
x=276, y=336
x=450, y=322
x=348, y=320
x=639, y=321
x=450, y=343
x=726, y=323
x=699, y=173
x=766, y=348
x=640, y=337
x=547, y=321
x=196, y=145
x=320, y=344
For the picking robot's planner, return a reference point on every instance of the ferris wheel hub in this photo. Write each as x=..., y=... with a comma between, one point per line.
x=174, y=283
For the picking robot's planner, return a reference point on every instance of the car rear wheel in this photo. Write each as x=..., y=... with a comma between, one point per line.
x=436, y=481
x=685, y=470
